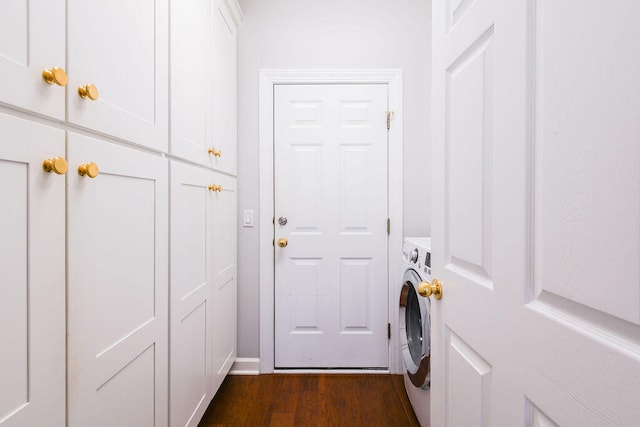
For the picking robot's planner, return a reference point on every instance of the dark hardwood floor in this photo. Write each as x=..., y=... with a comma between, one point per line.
x=311, y=400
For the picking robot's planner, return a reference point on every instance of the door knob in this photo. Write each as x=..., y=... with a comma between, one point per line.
x=57, y=165
x=283, y=242
x=282, y=220
x=214, y=152
x=88, y=91
x=89, y=169
x=427, y=289
x=55, y=75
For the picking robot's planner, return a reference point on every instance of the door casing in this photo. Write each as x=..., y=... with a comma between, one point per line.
x=269, y=78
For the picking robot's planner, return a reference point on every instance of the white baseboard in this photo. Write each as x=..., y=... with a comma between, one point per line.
x=245, y=366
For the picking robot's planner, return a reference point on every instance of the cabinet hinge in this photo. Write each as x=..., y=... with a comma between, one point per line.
x=388, y=226
x=389, y=330
x=389, y=115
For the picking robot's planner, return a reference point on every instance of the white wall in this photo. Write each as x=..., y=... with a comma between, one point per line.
x=311, y=34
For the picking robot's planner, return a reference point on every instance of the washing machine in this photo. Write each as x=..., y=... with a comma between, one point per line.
x=415, y=325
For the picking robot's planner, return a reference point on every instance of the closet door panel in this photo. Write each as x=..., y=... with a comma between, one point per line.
x=224, y=328
x=191, y=291
x=32, y=40
x=117, y=285
x=121, y=48
x=32, y=277
x=223, y=87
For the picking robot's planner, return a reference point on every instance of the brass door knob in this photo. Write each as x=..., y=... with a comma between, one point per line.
x=214, y=187
x=55, y=75
x=427, y=289
x=57, y=165
x=214, y=152
x=88, y=91
x=89, y=169
x=283, y=242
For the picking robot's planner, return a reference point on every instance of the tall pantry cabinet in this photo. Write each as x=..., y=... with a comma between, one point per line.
x=100, y=249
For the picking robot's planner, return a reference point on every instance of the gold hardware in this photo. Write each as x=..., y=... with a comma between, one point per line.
x=89, y=169
x=214, y=187
x=427, y=289
x=55, y=75
x=57, y=165
x=214, y=152
x=88, y=91
x=389, y=115
x=283, y=242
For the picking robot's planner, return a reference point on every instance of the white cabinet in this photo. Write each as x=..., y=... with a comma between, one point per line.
x=203, y=288
x=225, y=289
x=203, y=82
x=225, y=17
x=32, y=39
x=121, y=47
x=192, y=235
x=32, y=276
x=117, y=286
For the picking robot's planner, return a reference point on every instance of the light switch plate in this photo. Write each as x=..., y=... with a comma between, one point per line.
x=247, y=219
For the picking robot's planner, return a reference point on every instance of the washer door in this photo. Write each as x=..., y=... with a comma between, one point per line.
x=415, y=328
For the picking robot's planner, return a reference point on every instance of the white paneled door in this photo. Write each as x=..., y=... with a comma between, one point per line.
x=117, y=285
x=536, y=229
x=331, y=210
x=32, y=249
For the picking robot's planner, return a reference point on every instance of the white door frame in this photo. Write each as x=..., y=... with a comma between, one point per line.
x=269, y=78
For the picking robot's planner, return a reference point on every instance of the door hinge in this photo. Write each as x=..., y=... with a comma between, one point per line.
x=389, y=330
x=273, y=242
x=388, y=226
x=389, y=115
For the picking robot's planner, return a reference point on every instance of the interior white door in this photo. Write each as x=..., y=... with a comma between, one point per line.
x=32, y=39
x=117, y=286
x=536, y=231
x=32, y=276
x=121, y=47
x=331, y=205
x=192, y=235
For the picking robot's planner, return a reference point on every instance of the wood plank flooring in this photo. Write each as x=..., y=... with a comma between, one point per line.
x=311, y=400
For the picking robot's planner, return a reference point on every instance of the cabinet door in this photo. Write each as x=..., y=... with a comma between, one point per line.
x=191, y=291
x=120, y=47
x=189, y=80
x=31, y=40
x=223, y=86
x=224, y=278
x=32, y=278
x=117, y=286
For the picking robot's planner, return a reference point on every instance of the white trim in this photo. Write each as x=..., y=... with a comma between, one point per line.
x=332, y=371
x=245, y=366
x=269, y=78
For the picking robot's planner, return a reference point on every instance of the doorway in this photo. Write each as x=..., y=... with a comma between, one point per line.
x=269, y=80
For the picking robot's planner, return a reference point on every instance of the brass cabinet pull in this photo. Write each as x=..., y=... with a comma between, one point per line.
x=427, y=289
x=57, y=165
x=214, y=152
x=55, y=75
x=89, y=91
x=214, y=187
x=89, y=169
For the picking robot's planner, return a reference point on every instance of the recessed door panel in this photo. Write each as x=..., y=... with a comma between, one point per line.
x=117, y=282
x=129, y=68
x=356, y=291
x=31, y=41
x=32, y=260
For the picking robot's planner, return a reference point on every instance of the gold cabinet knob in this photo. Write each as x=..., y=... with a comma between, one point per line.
x=283, y=242
x=57, y=165
x=214, y=187
x=89, y=169
x=88, y=91
x=427, y=289
x=214, y=152
x=55, y=75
